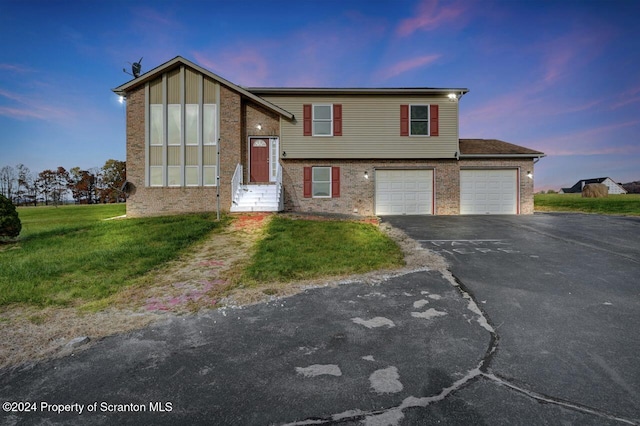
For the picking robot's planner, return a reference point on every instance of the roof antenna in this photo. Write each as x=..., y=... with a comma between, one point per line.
x=136, y=67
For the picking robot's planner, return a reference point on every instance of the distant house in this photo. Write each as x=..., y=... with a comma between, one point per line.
x=198, y=142
x=614, y=188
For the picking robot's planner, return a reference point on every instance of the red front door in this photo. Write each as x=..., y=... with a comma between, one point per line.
x=259, y=169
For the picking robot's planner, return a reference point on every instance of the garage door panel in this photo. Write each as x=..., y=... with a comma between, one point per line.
x=488, y=191
x=404, y=192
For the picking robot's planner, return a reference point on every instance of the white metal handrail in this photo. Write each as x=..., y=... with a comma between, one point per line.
x=280, y=190
x=236, y=183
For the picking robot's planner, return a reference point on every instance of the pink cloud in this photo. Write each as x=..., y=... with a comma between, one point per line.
x=15, y=68
x=246, y=66
x=406, y=65
x=429, y=16
x=151, y=17
x=570, y=51
x=593, y=141
x=28, y=107
x=631, y=96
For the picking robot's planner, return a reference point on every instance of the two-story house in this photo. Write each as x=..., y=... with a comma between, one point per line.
x=197, y=142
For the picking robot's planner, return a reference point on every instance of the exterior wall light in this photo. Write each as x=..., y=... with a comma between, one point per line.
x=366, y=174
x=530, y=175
x=453, y=97
x=259, y=126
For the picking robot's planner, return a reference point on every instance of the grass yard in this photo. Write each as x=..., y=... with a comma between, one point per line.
x=627, y=204
x=302, y=249
x=69, y=255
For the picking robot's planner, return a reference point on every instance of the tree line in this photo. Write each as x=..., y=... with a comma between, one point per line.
x=53, y=187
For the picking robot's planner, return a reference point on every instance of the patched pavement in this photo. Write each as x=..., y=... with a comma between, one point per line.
x=563, y=293
x=532, y=332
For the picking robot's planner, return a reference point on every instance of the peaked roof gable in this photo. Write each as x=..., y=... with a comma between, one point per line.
x=179, y=60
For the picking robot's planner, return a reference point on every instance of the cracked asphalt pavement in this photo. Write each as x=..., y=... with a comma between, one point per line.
x=535, y=323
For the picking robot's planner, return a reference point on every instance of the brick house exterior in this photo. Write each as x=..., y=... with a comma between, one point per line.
x=350, y=151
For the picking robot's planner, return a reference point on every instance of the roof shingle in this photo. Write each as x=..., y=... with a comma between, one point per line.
x=473, y=147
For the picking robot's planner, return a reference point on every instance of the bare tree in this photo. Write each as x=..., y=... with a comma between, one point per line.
x=8, y=182
x=27, y=190
x=60, y=185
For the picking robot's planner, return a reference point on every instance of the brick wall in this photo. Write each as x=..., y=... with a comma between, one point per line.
x=357, y=194
x=235, y=116
x=154, y=201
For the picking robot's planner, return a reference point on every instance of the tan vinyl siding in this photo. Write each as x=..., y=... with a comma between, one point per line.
x=192, y=81
x=210, y=88
x=209, y=155
x=155, y=91
x=173, y=155
x=370, y=128
x=191, y=156
x=173, y=87
x=155, y=156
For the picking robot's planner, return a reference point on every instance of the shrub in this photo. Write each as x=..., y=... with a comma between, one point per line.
x=10, y=225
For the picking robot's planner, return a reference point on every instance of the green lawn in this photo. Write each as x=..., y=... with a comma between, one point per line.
x=69, y=254
x=627, y=204
x=300, y=249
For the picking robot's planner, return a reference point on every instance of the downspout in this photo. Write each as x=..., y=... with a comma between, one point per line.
x=218, y=182
x=218, y=104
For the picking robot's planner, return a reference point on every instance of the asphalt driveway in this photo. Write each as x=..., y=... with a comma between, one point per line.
x=563, y=293
x=541, y=327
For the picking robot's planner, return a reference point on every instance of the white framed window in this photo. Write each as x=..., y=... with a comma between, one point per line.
x=181, y=140
x=321, y=182
x=155, y=175
x=209, y=135
x=174, y=125
x=156, y=136
x=419, y=120
x=191, y=175
x=191, y=124
x=173, y=176
x=209, y=175
x=322, y=120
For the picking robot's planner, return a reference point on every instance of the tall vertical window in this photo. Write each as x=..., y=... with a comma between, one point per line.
x=192, y=142
x=209, y=169
x=182, y=129
x=322, y=120
x=156, y=142
x=419, y=120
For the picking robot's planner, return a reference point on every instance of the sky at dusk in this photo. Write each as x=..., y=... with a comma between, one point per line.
x=562, y=77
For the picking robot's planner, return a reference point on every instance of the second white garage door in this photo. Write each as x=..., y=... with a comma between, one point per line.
x=407, y=192
x=489, y=191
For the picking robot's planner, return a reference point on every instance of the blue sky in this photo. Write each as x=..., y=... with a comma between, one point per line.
x=562, y=77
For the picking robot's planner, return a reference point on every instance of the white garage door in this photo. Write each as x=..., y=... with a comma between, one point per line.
x=488, y=191
x=404, y=192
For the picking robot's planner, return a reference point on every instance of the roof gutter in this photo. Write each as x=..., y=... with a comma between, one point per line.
x=354, y=91
x=536, y=156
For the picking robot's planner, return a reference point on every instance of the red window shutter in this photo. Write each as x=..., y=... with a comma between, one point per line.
x=335, y=182
x=434, y=120
x=404, y=120
x=337, y=119
x=307, y=182
x=306, y=120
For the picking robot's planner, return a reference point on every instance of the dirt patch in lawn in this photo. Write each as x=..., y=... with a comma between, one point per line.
x=198, y=280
